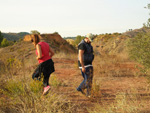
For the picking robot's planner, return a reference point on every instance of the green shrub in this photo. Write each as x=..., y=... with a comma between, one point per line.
x=1, y=37
x=36, y=86
x=13, y=88
x=139, y=49
x=12, y=66
x=4, y=42
x=78, y=40
x=35, y=32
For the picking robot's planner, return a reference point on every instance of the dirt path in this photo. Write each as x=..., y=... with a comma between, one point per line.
x=109, y=87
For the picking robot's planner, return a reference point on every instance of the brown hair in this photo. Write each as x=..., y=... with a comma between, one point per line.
x=35, y=39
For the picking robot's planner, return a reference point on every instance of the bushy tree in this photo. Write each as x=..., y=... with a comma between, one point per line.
x=35, y=32
x=78, y=39
x=55, y=32
x=139, y=49
x=1, y=37
x=147, y=24
x=5, y=42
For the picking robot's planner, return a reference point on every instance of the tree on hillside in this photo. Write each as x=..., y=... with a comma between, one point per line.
x=55, y=32
x=14, y=36
x=147, y=24
x=35, y=32
x=78, y=39
x=4, y=43
x=139, y=49
x=1, y=37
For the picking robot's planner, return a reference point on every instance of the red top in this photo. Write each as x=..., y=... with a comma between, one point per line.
x=45, y=52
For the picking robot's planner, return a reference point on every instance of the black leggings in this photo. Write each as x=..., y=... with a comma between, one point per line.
x=46, y=74
x=46, y=80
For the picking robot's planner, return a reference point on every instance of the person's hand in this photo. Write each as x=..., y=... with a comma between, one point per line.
x=37, y=58
x=83, y=69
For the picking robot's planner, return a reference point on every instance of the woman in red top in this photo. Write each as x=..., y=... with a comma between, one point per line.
x=46, y=65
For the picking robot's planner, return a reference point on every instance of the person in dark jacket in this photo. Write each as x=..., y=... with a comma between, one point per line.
x=46, y=65
x=85, y=59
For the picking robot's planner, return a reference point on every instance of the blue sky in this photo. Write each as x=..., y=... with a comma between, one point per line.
x=72, y=17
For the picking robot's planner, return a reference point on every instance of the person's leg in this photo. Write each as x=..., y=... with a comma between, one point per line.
x=82, y=86
x=46, y=73
x=36, y=73
x=91, y=77
x=46, y=80
x=89, y=73
x=46, y=84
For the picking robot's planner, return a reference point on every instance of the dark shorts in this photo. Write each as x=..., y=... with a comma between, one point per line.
x=46, y=68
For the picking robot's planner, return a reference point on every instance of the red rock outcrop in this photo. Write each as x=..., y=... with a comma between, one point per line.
x=55, y=41
x=28, y=37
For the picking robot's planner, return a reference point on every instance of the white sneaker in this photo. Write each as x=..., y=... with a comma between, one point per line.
x=46, y=89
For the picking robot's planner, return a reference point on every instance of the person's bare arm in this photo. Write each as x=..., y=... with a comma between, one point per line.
x=81, y=59
x=38, y=47
x=51, y=52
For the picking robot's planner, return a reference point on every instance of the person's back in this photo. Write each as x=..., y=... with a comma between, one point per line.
x=45, y=52
x=87, y=55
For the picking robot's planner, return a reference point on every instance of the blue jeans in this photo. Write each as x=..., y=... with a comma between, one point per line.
x=87, y=82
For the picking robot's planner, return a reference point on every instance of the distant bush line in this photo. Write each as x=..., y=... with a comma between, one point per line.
x=14, y=36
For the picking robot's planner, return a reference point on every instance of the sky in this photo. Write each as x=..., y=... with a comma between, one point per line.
x=72, y=17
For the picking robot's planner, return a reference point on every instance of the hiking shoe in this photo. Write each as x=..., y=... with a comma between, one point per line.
x=46, y=89
x=81, y=91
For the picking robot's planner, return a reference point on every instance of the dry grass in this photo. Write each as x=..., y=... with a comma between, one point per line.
x=118, y=97
x=22, y=95
x=124, y=102
x=118, y=87
x=115, y=66
x=65, y=55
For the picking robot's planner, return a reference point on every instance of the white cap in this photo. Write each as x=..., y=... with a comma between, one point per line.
x=89, y=36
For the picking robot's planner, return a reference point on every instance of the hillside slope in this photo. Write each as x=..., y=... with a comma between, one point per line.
x=55, y=41
x=116, y=43
x=118, y=86
x=24, y=51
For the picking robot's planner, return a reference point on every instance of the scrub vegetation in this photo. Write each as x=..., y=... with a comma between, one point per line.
x=119, y=85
